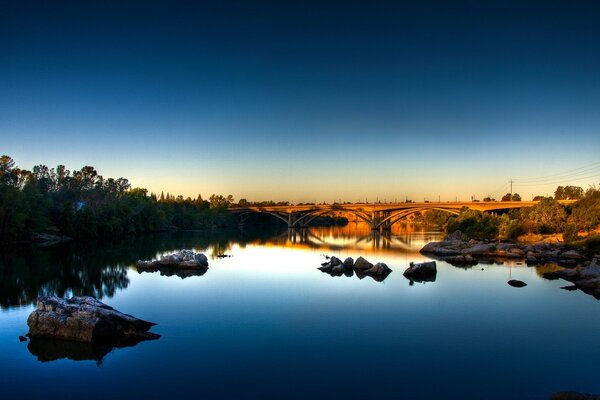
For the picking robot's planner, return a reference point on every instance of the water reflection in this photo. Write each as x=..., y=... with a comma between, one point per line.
x=173, y=271
x=407, y=239
x=47, y=350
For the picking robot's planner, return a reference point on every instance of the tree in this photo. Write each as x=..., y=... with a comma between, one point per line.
x=511, y=197
x=547, y=216
x=219, y=201
x=568, y=193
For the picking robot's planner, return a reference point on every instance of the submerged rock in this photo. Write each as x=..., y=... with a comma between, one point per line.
x=84, y=319
x=516, y=283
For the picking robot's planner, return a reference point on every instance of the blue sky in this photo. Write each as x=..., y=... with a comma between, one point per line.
x=305, y=101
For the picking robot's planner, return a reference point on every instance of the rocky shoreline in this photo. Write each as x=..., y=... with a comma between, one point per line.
x=580, y=266
x=457, y=250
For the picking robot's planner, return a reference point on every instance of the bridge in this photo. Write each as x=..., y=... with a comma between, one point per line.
x=379, y=216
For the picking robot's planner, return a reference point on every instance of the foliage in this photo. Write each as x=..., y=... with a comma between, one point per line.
x=568, y=193
x=436, y=218
x=509, y=228
x=585, y=213
x=83, y=204
x=511, y=197
x=570, y=233
x=474, y=224
x=547, y=216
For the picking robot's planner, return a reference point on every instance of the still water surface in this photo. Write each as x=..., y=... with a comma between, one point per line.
x=265, y=323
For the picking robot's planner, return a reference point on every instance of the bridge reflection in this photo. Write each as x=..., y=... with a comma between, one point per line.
x=354, y=236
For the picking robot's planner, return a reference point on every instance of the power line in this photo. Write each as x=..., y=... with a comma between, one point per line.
x=562, y=180
x=573, y=172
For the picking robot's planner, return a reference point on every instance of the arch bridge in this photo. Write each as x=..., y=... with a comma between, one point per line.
x=378, y=216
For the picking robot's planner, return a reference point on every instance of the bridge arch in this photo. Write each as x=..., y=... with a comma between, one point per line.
x=400, y=214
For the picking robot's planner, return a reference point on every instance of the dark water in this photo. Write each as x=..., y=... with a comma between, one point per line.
x=265, y=323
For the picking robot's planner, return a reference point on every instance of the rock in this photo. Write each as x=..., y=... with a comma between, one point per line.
x=516, y=283
x=22, y=339
x=569, y=263
x=552, y=275
x=421, y=270
x=201, y=259
x=379, y=269
x=505, y=246
x=517, y=252
x=588, y=285
x=183, y=264
x=338, y=269
x=349, y=262
x=568, y=274
x=572, y=254
x=480, y=249
x=531, y=259
x=327, y=267
x=443, y=248
x=84, y=319
x=361, y=263
x=335, y=261
x=593, y=271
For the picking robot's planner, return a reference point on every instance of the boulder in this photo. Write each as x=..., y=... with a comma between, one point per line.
x=421, y=270
x=361, y=263
x=480, y=249
x=552, y=275
x=349, y=262
x=335, y=261
x=338, y=269
x=379, y=269
x=593, y=271
x=201, y=259
x=516, y=283
x=326, y=267
x=183, y=260
x=84, y=319
x=572, y=254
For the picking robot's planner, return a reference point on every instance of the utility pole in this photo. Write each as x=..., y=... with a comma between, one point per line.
x=511, y=182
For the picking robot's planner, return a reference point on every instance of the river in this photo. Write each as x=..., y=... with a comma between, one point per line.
x=266, y=323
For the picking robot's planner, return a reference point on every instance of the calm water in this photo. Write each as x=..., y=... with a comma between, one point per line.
x=265, y=323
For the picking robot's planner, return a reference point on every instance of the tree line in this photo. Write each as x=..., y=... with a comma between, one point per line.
x=84, y=204
x=548, y=216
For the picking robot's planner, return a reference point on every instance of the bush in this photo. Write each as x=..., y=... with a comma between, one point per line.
x=475, y=225
x=570, y=233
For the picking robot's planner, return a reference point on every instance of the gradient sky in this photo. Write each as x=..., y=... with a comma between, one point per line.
x=305, y=101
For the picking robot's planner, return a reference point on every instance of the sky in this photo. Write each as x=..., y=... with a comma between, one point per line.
x=307, y=100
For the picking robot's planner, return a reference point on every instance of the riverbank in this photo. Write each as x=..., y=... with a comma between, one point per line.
x=579, y=263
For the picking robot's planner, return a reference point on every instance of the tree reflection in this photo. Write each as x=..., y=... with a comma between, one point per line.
x=98, y=269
